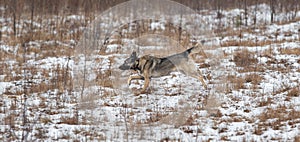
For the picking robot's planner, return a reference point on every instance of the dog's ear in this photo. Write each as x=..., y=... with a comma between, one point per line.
x=133, y=54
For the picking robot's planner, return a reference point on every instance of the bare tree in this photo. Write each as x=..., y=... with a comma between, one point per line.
x=246, y=13
x=13, y=8
x=272, y=6
x=255, y=12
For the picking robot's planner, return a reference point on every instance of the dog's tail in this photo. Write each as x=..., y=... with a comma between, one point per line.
x=194, y=49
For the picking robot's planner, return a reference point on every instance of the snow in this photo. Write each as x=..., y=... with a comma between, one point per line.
x=110, y=112
x=4, y=85
x=6, y=29
x=157, y=26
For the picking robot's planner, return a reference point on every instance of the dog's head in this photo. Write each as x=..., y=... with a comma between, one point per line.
x=129, y=63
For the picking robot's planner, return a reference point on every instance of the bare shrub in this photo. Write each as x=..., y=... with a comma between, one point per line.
x=295, y=92
x=279, y=115
x=295, y=51
x=45, y=120
x=104, y=80
x=266, y=102
x=237, y=82
x=69, y=120
x=41, y=133
x=167, y=139
x=255, y=79
x=244, y=58
x=259, y=130
x=213, y=103
x=178, y=118
x=87, y=101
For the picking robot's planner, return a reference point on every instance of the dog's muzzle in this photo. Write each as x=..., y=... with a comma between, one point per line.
x=124, y=67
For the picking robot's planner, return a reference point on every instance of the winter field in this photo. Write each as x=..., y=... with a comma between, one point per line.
x=54, y=89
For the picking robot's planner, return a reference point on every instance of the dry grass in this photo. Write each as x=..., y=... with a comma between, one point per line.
x=242, y=43
x=289, y=51
x=88, y=101
x=142, y=28
x=68, y=120
x=58, y=78
x=177, y=119
x=255, y=79
x=237, y=82
x=265, y=102
x=212, y=104
x=276, y=118
x=297, y=139
x=294, y=92
x=103, y=78
x=251, y=43
x=167, y=139
x=244, y=58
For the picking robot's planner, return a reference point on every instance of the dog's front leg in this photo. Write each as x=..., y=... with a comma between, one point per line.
x=146, y=83
x=134, y=78
x=202, y=81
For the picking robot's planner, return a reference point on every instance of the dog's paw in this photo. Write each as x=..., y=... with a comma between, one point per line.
x=147, y=91
x=128, y=82
x=137, y=93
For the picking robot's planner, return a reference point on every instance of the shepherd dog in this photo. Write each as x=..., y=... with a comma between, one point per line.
x=149, y=66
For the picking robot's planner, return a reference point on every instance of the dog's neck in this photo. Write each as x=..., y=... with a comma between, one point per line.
x=136, y=67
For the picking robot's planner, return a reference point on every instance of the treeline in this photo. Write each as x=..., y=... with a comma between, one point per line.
x=88, y=6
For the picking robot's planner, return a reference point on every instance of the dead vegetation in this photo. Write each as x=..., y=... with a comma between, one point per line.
x=244, y=58
x=55, y=103
x=294, y=51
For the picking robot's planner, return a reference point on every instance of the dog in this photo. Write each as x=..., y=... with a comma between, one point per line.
x=151, y=67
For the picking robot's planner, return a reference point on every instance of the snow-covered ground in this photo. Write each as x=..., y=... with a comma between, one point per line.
x=253, y=77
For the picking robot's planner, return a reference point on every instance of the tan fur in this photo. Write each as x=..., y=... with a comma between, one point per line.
x=151, y=66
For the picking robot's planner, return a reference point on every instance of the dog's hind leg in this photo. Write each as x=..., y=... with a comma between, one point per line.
x=191, y=70
x=198, y=76
x=134, y=78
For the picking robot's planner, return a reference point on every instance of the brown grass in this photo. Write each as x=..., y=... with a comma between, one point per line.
x=167, y=139
x=265, y=102
x=255, y=79
x=243, y=43
x=178, y=118
x=45, y=120
x=237, y=82
x=259, y=130
x=294, y=92
x=88, y=101
x=212, y=104
x=10, y=120
x=69, y=120
x=280, y=115
x=289, y=51
x=103, y=79
x=172, y=32
x=244, y=58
